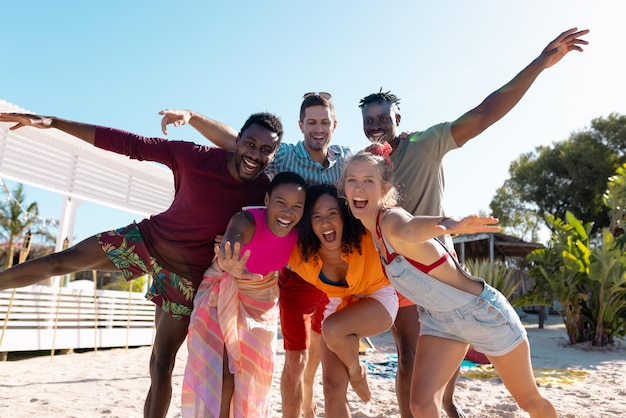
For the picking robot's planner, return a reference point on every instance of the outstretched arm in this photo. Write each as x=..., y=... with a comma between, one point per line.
x=80, y=130
x=402, y=225
x=501, y=101
x=218, y=133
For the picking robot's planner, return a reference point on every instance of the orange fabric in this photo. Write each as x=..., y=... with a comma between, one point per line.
x=404, y=301
x=365, y=273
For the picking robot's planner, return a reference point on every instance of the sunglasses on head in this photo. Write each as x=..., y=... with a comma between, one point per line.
x=321, y=94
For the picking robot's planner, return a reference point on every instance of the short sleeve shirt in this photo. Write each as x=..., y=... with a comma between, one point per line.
x=295, y=158
x=418, y=171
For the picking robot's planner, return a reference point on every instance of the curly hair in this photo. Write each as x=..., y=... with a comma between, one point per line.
x=380, y=97
x=267, y=120
x=351, y=235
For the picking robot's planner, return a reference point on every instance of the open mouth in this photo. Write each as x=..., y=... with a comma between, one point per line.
x=329, y=236
x=283, y=223
x=318, y=138
x=359, y=202
x=250, y=166
x=377, y=136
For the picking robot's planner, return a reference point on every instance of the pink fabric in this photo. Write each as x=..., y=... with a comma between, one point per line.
x=242, y=316
x=268, y=252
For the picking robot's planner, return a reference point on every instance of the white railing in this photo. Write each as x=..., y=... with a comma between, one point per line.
x=45, y=318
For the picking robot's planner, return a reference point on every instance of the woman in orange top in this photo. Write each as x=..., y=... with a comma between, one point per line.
x=337, y=255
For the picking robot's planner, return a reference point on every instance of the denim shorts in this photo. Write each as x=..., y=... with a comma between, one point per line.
x=487, y=321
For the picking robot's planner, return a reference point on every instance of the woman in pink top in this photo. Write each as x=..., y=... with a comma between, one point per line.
x=232, y=334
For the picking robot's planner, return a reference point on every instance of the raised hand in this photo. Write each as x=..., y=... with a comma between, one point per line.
x=174, y=117
x=564, y=43
x=231, y=262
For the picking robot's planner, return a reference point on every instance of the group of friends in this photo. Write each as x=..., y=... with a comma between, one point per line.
x=336, y=247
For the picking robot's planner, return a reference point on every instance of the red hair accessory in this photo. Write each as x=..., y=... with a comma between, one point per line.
x=382, y=150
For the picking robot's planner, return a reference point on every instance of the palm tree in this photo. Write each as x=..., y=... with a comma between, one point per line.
x=17, y=218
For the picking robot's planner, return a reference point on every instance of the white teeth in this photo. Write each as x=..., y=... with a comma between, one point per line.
x=328, y=232
x=283, y=222
x=249, y=164
x=359, y=202
x=377, y=136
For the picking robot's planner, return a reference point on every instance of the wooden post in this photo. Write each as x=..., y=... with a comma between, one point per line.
x=94, y=275
x=23, y=256
x=66, y=243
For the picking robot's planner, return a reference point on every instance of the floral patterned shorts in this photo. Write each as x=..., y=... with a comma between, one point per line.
x=127, y=250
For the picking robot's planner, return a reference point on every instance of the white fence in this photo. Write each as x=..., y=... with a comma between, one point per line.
x=45, y=318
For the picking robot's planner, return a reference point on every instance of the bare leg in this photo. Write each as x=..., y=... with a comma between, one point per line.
x=86, y=255
x=309, y=406
x=228, y=388
x=170, y=334
x=515, y=370
x=335, y=379
x=405, y=331
x=295, y=322
x=436, y=361
x=449, y=404
x=341, y=333
x=291, y=382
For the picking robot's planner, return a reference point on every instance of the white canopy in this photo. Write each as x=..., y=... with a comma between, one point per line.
x=55, y=161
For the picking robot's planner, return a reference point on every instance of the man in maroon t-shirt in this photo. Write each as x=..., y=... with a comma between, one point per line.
x=175, y=247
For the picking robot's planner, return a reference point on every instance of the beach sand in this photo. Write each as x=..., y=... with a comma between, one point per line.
x=581, y=381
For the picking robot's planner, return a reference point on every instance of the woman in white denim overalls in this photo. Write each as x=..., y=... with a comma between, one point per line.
x=456, y=309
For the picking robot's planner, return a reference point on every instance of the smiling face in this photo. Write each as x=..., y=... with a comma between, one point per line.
x=317, y=126
x=255, y=149
x=380, y=121
x=364, y=189
x=285, y=206
x=327, y=222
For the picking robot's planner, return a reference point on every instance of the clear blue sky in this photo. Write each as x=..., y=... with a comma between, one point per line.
x=118, y=63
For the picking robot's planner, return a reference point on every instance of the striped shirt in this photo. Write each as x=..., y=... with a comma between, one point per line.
x=295, y=158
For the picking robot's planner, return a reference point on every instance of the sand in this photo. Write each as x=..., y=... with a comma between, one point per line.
x=580, y=381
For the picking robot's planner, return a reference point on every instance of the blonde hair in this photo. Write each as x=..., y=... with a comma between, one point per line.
x=376, y=155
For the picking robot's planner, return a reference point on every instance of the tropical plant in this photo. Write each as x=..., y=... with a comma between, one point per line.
x=120, y=283
x=496, y=274
x=16, y=218
x=567, y=175
x=615, y=199
x=587, y=279
x=607, y=302
x=559, y=271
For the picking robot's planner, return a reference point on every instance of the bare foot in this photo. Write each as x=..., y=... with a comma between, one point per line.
x=358, y=380
x=454, y=410
x=311, y=411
